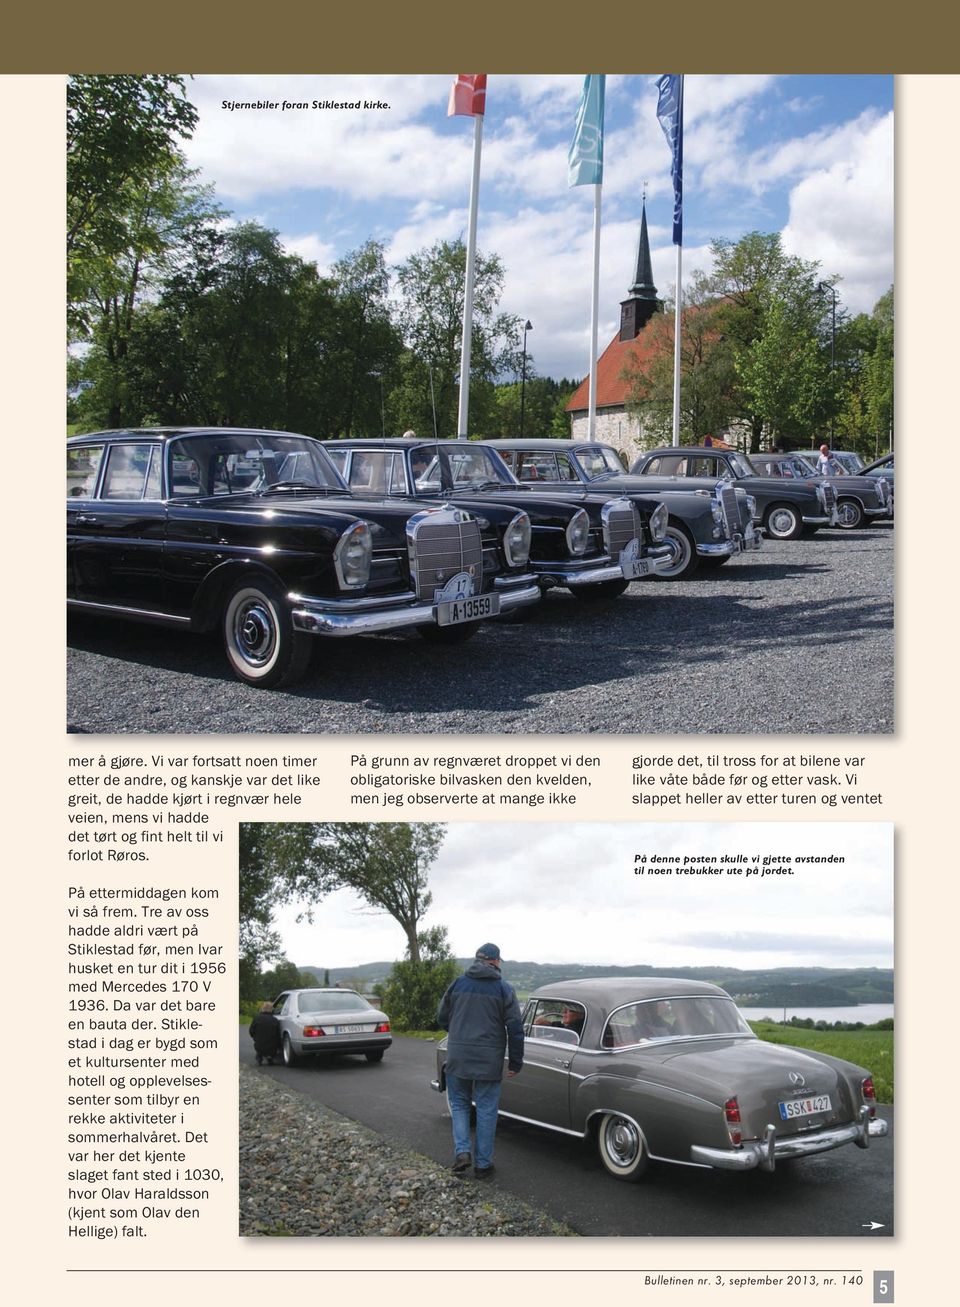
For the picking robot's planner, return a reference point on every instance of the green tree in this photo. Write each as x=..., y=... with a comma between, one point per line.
x=785, y=376
x=763, y=293
x=878, y=383
x=166, y=218
x=431, y=289
x=122, y=134
x=365, y=347
x=413, y=990
x=271, y=861
x=386, y=863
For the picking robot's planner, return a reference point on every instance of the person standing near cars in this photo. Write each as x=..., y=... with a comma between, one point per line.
x=827, y=465
x=481, y=1013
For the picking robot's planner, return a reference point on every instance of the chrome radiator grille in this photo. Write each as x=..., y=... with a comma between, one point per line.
x=621, y=522
x=829, y=496
x=441, y=545
x=731, y=511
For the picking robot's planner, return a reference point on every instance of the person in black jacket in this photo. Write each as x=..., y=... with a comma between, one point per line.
x=482, y=1014
x=265, y=1033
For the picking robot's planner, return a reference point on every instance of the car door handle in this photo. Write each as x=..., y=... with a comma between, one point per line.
x=562, y=1061
x=86, y=517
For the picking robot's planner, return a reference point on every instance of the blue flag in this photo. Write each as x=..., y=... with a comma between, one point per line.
x=670, y=113
x=585, y=157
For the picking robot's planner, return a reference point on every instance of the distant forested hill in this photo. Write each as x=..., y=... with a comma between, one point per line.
x=800, y=986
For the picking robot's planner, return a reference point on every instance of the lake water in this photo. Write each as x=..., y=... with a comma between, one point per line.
x=868, y=1013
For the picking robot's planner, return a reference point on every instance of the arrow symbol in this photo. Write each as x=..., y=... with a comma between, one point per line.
x=873, y=1225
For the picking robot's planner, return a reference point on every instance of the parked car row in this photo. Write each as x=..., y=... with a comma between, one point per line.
x=277, y=538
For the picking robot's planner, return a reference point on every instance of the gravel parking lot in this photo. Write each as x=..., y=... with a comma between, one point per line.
x=796, y=639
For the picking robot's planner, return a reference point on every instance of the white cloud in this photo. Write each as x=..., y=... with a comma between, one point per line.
x=329, y=179
x=842, y=215
x=568, y=892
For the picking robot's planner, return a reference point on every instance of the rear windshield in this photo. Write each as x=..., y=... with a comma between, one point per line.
x=673, y=1018
x=325, y=1000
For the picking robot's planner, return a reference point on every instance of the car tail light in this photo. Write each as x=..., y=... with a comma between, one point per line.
x=869, y=1094
x=313, y=1032
x=383, y=1028
x=731, y=1111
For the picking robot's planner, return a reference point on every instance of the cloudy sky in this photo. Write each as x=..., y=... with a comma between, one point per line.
x=552, y=892
x=808, y=156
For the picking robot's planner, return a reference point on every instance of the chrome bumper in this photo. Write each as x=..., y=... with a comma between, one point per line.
x=831, y=520
x=572, y=574
x=374, y=615
x=764, y=1153
x=738, y=545
x=661, y=559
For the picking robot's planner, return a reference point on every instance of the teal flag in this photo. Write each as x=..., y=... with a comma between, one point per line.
x=585, y=158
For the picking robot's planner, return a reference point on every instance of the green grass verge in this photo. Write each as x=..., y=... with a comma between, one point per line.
x=872, y=1049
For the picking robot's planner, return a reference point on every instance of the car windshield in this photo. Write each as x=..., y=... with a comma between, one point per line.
x=248, y=462
x=436, y=468
x=599, y=462
x=673, y=1018
x=740, y=465
x=331, y=1000
x=793, y=469
x=851, y=463
x=373, y=471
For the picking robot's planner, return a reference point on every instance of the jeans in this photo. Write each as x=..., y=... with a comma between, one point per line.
x=486, y=1095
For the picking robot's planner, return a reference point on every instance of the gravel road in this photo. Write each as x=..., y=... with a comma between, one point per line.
x=739, y=649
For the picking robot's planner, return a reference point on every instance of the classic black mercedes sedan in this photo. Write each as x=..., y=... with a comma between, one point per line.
x=658, y=1069
x=785, y=509
x=708, y=523
x=594, y=545
x=254, y=532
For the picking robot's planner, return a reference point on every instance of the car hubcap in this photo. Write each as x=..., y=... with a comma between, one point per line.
x=254, y=632
x=782, y=523
x=623, y=1142
x=849, y=514
x=680, y=550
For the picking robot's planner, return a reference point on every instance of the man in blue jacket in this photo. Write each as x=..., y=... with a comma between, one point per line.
x=482, y=1014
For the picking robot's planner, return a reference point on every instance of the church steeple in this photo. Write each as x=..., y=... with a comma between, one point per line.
x=639, y=308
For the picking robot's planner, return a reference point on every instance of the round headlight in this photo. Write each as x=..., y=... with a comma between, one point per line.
x=516, y=540
x=578, y=532
x=752, y=505
x=352, y=556
x=658, y=522
x=716, y=508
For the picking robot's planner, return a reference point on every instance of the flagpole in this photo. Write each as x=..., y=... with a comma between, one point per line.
x=670, y=114
x=468, y=283
x=594, y=316
x=676, y=352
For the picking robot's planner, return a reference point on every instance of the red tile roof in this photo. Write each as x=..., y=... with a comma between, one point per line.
x=612, y=390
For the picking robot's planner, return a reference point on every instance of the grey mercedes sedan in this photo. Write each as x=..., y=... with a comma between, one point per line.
x=656, y=1069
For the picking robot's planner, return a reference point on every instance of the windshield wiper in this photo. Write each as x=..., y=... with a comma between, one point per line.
x=296, y=485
